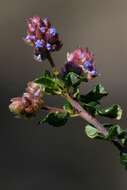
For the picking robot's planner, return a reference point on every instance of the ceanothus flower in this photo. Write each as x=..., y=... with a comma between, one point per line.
x=81, y=61
x=42, y=36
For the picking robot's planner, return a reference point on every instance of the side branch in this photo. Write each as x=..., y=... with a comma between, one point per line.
x=52, y=109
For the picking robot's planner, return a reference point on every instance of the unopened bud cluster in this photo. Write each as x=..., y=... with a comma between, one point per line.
x=30, y=102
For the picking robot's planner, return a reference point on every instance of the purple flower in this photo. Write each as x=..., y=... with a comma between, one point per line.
x=42, y=29
x=38, y=44
x=42, y=36
x=48, y=46
x=81, y=61
x=52, y=31
x=88, y=65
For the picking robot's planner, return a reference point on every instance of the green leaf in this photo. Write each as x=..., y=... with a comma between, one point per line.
x=69, y=109
x=115, y=131
x=90, y=107
x=92, y=132
x=56, y=119
x=123, y=159
x=114, y=111
x=72, y=79
x=76, y=93
x=94, y=95
x=51, y=84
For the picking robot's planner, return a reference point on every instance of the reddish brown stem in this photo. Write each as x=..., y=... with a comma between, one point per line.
x=85, y=115
x=52, y=109
x=51, y=60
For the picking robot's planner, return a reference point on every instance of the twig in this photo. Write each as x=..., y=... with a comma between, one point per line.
x=52, y=109
x=51, y=60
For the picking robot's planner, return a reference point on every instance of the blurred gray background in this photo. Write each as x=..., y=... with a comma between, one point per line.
x=35, y=158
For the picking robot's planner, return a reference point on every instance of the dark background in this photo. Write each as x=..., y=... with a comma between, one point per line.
x=34, y=158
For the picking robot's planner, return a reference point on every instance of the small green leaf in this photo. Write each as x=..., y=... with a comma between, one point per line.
x=92, y=132
x=69, y=109
x=94, y=95
x=56, y=119
x=72, y=79
x=91, y=108
x=123, y=159
x=112, y=133
x=114, y=111
x=51, y=84
x=115, y=131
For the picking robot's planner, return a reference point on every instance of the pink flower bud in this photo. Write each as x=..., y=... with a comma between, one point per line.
x=16, y=105
x=29, y=103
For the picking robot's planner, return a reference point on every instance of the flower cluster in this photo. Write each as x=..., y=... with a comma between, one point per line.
x=29, y=103
x=81, y=61
x=42, y=36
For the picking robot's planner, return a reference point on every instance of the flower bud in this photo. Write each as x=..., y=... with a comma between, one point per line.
x=30, y=102
x=16, y=105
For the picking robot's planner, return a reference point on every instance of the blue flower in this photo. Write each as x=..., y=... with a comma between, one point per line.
x=38, y=44
x=42, y=29
x=94, y=73
x=52, y=31
x=48, y=46
x=88, y=65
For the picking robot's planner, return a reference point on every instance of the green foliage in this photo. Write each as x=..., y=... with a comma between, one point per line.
x=113, y=132
x=69, y=109
x=56, y=119
x=73, y=80
x=92, y=132
x=51, y=84
x=114, y=111
x=123, y=159
x=94, y=95
x=91, y=102
x=91, y=107
x=116, y=132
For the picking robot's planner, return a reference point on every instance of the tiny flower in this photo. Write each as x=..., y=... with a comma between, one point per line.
x=39, y=44
x=30, y=102
x=42, y=36
x=88, y=65
x=81, y=61
x=42, y=29
x=48, y=46
x=52, y=31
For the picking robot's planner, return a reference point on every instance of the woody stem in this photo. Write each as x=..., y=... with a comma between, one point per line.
x=85, y=115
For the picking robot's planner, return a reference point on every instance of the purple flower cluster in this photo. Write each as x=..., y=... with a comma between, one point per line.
x=42, y=36
x=81, y=61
